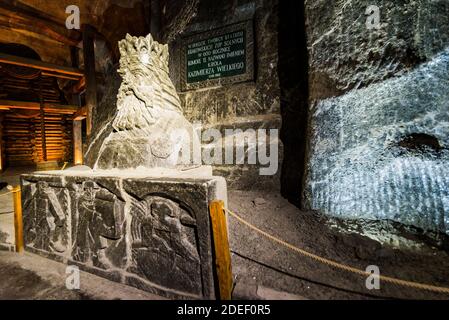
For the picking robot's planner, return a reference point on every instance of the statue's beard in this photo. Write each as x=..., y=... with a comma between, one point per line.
x=133, y=112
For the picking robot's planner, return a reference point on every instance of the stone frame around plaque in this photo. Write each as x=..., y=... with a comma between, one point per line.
x=249, y=75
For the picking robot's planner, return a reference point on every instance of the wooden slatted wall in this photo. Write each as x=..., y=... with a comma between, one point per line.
x=2, y=145
x=58, y=135
x=23, y=141
x=18, y=136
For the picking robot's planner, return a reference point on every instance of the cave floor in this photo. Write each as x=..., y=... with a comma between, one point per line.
x=263, y=269
x=30, y=277
x=260, y=263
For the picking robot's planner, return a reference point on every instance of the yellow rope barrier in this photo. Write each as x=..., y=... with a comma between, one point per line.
x=5, y=194
x=64, y=166
x=340, y=266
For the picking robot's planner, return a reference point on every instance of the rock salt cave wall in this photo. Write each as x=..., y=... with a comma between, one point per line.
x=379, y=111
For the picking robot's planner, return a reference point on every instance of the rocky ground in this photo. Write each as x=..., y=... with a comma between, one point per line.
x=31, y=277
x=406, y=253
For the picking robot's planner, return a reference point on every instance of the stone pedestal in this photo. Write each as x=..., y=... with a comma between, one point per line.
x=148, y=229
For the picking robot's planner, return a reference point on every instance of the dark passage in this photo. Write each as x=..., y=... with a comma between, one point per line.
x=293, y=76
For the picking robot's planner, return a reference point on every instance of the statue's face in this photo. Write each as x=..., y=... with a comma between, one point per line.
x=88, y=195
x=89, y=191
x=42, y=186
x=162, y=209
x=144, y=56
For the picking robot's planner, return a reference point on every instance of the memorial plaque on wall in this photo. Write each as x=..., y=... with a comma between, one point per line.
x=218, y=57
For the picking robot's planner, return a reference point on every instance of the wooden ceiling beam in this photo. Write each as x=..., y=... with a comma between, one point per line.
x=40, y=22
x=40, y=65
x=24, y=9
x=51, y=74
x=48, y=107
x=12, y=23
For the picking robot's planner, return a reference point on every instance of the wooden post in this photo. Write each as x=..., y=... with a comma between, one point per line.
x=77, y=142
x=42, y=112
x=221, y=246
x=2, y=155
x=89, y=73
x=74, y=57
x=18, y=223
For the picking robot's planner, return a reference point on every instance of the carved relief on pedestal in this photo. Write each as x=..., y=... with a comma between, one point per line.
x=100, y=219
x=153, y=234
x=164, y=244
x=46, y=218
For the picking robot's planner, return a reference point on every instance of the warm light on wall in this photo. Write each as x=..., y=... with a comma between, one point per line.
x=1, y=158
x=77, y=143
x=78, y=157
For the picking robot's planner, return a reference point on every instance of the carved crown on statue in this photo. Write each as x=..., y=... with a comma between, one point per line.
x=143, y=50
